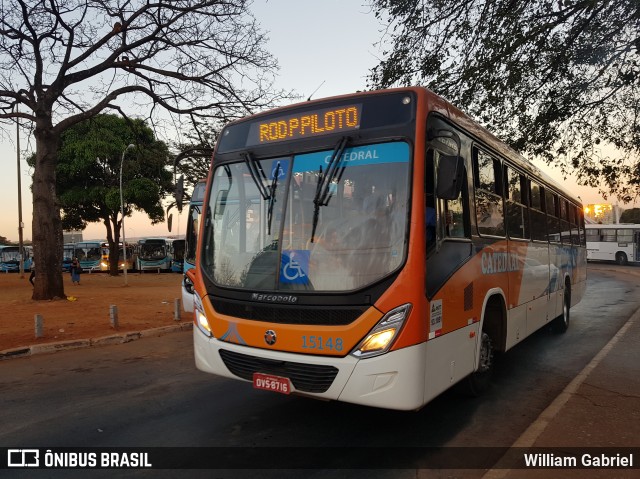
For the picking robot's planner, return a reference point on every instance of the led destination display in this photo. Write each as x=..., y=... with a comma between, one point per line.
x=305, y=125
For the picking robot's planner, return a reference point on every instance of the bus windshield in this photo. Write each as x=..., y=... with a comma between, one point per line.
x=275, y=226
x=10, y=254
x=153, y=249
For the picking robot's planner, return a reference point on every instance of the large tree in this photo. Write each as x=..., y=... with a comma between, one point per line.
x=88, y=175
x=194, y=154
x=557, y=79
x=62, y=62
x=631, y=215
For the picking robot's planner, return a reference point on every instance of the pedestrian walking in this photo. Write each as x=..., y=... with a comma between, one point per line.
x=75, y=269
x=32, y=276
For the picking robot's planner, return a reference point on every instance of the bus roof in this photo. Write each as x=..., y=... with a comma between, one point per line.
x=446, y=109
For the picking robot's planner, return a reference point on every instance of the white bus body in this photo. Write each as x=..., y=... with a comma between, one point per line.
x=619, y=243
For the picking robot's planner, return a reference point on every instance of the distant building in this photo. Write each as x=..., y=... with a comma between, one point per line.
x=71, y=236
x=605, y=214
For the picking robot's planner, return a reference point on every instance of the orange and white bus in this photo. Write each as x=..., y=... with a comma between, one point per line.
x=377, y=248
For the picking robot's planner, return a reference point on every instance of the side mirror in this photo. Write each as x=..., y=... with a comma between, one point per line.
x=450, y=177
x=189, y=280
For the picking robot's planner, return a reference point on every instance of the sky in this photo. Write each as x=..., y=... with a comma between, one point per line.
x=327, y=46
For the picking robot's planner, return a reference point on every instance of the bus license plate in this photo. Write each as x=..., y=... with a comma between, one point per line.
x=269, y=382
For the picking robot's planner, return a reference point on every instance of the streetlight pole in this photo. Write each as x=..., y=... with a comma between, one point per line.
x=124, y=242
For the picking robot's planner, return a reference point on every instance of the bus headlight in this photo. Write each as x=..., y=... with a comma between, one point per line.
x=200, y=317
x=381, y=337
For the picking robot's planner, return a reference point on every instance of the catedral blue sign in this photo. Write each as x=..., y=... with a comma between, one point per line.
x=395, y=152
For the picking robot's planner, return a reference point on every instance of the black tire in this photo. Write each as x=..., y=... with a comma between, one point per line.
x=621, y=259
x=479, y=381
x=561, y=323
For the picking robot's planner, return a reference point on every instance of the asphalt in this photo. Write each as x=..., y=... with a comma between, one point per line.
x=596, y=415
x=598, y=412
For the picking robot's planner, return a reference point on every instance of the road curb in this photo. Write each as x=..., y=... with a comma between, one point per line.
x=116, y=338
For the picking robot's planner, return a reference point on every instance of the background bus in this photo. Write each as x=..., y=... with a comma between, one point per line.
x=619, y=243
x=68, y=253
x=132, y=256
x=377, y=248
x=177, y=255
x=89, y=254
x=10, y=258
x=191, y=241
x=154, y=254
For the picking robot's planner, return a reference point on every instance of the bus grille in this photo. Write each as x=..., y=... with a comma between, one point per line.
x=311, y=315
x=309, y=378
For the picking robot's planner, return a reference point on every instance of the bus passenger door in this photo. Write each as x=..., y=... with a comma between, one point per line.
x=446, y=226
x=636, y=245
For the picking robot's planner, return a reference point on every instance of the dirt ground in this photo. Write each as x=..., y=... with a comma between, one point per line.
x=147, y=302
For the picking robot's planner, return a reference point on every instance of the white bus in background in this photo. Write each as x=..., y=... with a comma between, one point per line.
x=619, y=243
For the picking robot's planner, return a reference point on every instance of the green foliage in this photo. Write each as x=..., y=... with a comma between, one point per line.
x=631, y=215
x=88, y=180
x=557, y=80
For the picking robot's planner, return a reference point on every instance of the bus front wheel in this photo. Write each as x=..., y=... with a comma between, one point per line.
x=478, y=381
x=621, y=259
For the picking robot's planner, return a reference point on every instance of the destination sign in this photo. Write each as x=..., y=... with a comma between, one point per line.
x=305, y=125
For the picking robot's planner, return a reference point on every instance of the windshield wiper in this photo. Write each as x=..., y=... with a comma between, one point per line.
x=272, y=196
x=323, y=188
x=258, y=176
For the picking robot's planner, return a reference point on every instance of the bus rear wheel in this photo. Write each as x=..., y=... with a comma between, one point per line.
x=621, y=259
x=561, y=323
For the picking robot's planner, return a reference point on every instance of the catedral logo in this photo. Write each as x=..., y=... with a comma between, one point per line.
x=274, y=298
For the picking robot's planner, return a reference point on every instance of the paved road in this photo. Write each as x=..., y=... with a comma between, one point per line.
x=147, y=393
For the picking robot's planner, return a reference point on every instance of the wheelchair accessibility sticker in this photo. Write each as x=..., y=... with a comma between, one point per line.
x=294, y=267
x=279, y=169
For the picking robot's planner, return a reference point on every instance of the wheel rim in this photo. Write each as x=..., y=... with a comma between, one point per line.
x=565, y=309
x=486, y=353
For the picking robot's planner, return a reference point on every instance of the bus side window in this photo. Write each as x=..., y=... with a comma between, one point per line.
x=488, y=182
x=455, y=214
x=443, y=218
x=583, y=239
x=517, y=211
x=538, y=219
x=553, y=221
